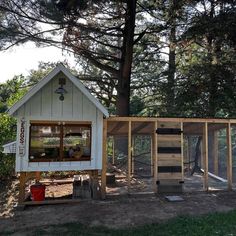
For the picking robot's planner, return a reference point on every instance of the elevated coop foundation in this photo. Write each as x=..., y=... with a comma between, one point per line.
x=168, y=154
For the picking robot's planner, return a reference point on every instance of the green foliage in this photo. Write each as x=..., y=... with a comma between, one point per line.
x=195, y=78
x=7, y=134
x=10, y=92
x=136, y=105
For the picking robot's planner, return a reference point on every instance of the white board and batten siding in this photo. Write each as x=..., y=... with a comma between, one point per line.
x=44, y=105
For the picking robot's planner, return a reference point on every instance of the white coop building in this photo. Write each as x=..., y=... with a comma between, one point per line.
x=59, y=126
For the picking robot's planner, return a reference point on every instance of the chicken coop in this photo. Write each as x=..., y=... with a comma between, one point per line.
x=62, y=127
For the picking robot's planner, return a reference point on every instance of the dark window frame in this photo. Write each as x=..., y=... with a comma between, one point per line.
x=60, y=124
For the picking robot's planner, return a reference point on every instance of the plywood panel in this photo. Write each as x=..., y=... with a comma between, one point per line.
x=67, y=104
x=89, y=110
x=167, y=138
x=164, y=156
x=27, y=109
x=168, y=125
x=77, y=101
x=35, y=103
x=47, y=93
x=99, y=140
x=170, y=162
x=169, y=143
x=169, y=176
x=21, y=111
x=66, y=166
x=56, y=103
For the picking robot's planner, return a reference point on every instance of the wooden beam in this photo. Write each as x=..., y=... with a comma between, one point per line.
x=229, y=157
x=168, y=119
x=215, y=153
x=155, y=157
x=51, y=202
x=140, y=127
x=116, y=128
x=205, y=155
x=104, y=160
x=129, y=154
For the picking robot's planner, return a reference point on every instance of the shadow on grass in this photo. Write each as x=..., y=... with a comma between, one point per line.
x=212, y=224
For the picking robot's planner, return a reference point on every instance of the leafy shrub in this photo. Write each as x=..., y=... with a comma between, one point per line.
x=7, y=166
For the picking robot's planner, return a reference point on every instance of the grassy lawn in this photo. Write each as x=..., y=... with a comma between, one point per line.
x=221, y=224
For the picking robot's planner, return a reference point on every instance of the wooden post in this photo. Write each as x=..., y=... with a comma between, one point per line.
x=229, y=157
x=215, y=153
x=94, y=184
x=104, y=160
x=155, y=157
x=22, y=187
x=152, y=157
x=202, y=152
x=129, y=154
x=189, y=153
x=182, y=149
x=205, y=156
x=132, y=154
x=113, y=151
x=37, y=176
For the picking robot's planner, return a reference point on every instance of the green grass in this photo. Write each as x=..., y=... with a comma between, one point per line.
x=222, y=224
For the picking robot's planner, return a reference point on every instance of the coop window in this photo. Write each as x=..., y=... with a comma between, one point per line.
x=60, y=142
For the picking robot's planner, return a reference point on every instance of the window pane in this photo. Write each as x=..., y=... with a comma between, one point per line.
x=44, y=142
x=77, y=141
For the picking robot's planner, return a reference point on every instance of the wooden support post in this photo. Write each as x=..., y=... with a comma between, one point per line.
x=202, y=153
x=129, y=154
x=24, y=177
x=113, y=151
x=182, y=149
x=215, y=153
x=229, y=157
x=189, y=153
x=205, y=155
x=37, y=176
x=104, y=160
x=155, y=157
x=22, y=187
x=133, y=154
x=152, y=157
x=96, y=192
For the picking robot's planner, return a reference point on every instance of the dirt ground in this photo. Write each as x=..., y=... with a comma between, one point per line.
x=114, y=212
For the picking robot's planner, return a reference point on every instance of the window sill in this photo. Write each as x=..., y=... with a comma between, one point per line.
x=62, y=160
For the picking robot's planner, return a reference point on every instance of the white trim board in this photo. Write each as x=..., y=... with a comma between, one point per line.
x=59, y=68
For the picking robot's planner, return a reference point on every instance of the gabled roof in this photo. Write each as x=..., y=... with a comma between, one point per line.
x=9, y=147
x=59, y=68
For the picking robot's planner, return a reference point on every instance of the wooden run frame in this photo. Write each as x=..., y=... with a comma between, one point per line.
x=228, y=123
x=155, y=120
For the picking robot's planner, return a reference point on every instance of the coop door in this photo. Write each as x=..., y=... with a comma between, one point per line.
x=169, y=153
x=141, y=156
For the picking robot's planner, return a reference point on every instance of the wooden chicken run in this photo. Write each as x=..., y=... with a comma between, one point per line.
x=62, y=127
x=184, y=153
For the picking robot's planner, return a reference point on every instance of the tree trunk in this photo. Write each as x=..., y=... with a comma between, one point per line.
x=123, y=88
x=212, y=74
x=170, y=93
x=170, y=105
